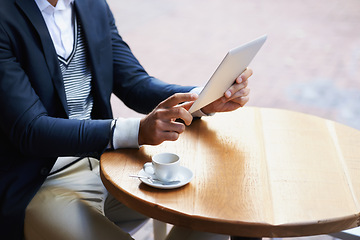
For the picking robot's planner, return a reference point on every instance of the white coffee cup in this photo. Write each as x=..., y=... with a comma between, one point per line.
x=165, y=166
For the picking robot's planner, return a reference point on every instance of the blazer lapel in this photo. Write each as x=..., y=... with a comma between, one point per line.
x=31, y=10
x=88, y=24
x=91, y=28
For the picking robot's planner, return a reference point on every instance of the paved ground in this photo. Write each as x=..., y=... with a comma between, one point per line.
x=310, y=63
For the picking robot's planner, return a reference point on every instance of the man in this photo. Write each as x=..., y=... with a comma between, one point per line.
x=59, y=63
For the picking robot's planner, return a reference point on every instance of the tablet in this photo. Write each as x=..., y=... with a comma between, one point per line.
x=234, y=63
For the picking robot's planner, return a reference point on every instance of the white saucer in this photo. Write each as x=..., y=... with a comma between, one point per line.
x=185, y=176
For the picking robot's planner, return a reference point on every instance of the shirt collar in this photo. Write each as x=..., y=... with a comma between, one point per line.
x=63, y=4
x=46, y=7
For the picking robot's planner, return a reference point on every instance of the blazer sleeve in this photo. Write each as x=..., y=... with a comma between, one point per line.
x=26, y=124
x=132, y=84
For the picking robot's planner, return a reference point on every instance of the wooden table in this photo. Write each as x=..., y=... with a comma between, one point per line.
x=257, y=172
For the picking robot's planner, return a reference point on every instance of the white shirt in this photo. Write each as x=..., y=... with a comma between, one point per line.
x=60, y=23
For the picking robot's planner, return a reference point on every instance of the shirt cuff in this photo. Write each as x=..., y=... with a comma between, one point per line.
x=126, y=132
x=199, y=113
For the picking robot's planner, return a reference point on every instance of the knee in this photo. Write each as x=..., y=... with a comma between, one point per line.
x=50, y=212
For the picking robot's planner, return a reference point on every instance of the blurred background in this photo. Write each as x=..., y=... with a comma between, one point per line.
x=310, y=62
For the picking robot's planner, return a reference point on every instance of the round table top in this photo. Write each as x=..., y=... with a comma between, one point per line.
x=258, y=172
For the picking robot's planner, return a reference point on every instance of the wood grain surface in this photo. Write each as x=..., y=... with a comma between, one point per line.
x=258, y=172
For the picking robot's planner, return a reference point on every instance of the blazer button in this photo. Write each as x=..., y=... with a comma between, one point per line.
x=44, y=171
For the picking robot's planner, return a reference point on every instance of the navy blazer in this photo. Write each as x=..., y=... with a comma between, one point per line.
x=34, y=124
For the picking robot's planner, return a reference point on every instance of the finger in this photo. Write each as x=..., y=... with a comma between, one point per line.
x=244, y=75
x=177, y=113
x=186, y=105
x=169, y=131
x=173, y=127
x=178, y=98
x=244, y=100
x=235, y=88
x=239, y=101
x=241, y=93
x=170, y=136
x=160, y=131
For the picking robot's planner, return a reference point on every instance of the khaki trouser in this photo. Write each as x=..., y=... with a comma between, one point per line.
x=74, y=205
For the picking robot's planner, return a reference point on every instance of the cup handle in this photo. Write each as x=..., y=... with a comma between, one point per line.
x=148, y=168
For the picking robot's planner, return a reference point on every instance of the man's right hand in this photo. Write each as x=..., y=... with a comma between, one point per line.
x=161, y=125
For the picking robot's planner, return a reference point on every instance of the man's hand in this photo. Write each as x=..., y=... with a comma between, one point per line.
x=236, y=96
x=161, y=125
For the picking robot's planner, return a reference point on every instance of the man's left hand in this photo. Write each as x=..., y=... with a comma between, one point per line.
x=235, y=97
